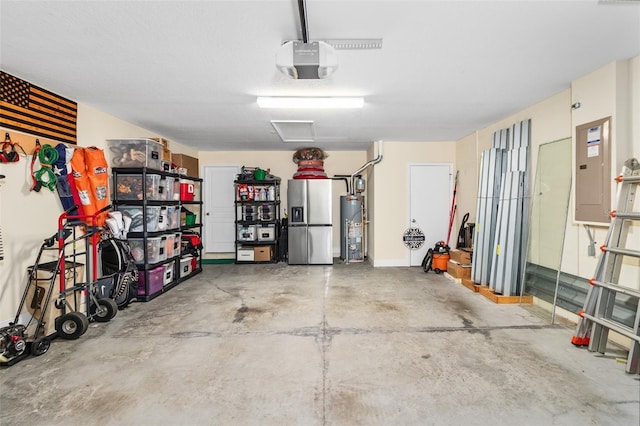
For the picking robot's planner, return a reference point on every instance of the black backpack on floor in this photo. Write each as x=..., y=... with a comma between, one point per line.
x=119, y=279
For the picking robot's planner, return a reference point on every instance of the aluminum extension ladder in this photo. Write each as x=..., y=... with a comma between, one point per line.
x=596, y=317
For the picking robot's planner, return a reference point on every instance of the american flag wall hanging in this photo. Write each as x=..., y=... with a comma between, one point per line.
x=36, y=111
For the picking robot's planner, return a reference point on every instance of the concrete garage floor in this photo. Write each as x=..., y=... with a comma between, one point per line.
x=340, y=345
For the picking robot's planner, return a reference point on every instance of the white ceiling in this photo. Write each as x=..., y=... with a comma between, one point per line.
x=191, y=70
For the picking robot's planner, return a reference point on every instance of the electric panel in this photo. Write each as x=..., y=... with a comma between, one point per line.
x=593, y=172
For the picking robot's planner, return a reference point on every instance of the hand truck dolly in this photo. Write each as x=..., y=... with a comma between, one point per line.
x=47, y=310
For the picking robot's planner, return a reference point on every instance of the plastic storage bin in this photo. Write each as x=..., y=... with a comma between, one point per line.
x=169, y=273
x=156, y=281
x=163, y=220
x=173, y=217
x=156, y=249
x=168, y=184
x=176, y=189
x=177, y=244
x=163, y=189
x=186, y=266
x=266, y=213
x=130, y=187
x=137, y=222
x=245, y=254
x=266, y=232
x=247, y=233
x=135, y=153
x=170, y=245
x=250, y=213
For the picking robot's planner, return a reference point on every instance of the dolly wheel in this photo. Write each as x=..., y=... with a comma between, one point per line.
x=106, y=309
x=40, y=346
x=85, y=323
x=437, y=271
x=72, y=325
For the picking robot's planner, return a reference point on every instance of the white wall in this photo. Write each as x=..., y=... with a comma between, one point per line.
x=391, y=196
x=550, y=121
x=613, y=90
x=27, y=218
x=634, y=104
x=281, y=164
x=467, y=164
x=95, y=127
x=609, y=91
x=370, y=212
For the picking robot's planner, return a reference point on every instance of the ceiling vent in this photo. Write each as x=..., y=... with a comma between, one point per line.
x=293, y=131
x=313, y=60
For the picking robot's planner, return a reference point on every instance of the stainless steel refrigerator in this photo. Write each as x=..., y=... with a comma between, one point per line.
x=310, y=229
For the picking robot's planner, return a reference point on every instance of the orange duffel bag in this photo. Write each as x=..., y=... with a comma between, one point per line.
x=92, y=181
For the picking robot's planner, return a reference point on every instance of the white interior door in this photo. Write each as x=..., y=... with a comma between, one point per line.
x=219, y=208
x=430, y=187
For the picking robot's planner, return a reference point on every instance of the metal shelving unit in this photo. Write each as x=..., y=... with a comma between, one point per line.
x=122, y=199
x=257, y=220
x=196, y=204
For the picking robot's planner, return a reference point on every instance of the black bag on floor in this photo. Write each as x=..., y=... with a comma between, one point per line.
x=119, y=272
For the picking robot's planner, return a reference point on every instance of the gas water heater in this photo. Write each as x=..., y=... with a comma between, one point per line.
x=352, y=228
x=352, y=214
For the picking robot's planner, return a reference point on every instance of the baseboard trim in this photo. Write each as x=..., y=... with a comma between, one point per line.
x=217, y=261
x=389, y=263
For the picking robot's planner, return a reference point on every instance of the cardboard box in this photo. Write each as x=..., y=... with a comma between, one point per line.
x=189, y=163
x=166, y=154
x=457, y=270
x=262, y=253
x=164, y=142
x=462, y=257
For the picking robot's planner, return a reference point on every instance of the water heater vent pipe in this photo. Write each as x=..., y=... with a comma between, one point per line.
x=363, y=168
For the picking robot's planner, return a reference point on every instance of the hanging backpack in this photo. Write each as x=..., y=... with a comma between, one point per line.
x=119, y=272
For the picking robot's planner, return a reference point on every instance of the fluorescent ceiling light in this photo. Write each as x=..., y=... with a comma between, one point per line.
x=304, y=102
